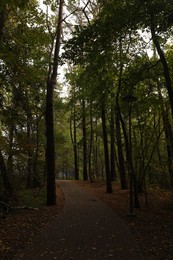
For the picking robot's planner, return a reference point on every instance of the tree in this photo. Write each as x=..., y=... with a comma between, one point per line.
x=107, y=162
x=112, y=133
x=24, y=60
x=74, y=142
x=112, y=49
x=49, y=118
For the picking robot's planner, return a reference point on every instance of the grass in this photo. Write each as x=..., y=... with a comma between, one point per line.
x=35, y=197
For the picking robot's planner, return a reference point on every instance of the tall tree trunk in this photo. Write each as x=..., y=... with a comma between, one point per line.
x=95, y=153
x=112, y=132
x=36, y=154
x=169, y=137
x=164, y=63
x=29, y=162
x=129, y=159
x=49, y=117
x=10, y=153
x=118, y=119
x=75, y=147
x=8, y=191
x=90, y=171
x=85, y=172
x=74, y=142
x=3, y=14
x=122, y=169
x=106, y=152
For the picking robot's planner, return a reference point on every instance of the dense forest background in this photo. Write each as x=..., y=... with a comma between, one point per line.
x=114, y=123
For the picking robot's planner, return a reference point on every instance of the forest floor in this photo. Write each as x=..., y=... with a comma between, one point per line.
x=152, y=226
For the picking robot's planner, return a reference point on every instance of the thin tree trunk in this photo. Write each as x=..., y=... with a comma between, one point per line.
x=3, y=14
x=118, y=119
x=10, y=154
x=74, y=142
x=29, y=162
x=49, y=118
x=106, y=152
x=112, y=132
x=36, y=177
x=122, y=170
x=90, y=172
x=85, y=173
x=141, y=183
x=75, y=147
x=95, y=152
x=129, y=160
x=8, y=191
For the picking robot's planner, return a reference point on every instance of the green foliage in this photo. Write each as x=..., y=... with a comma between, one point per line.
x=33, y=197
x=110, y=56
x=24, y=62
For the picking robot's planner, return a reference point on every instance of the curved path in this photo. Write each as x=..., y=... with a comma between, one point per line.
x=86, y=230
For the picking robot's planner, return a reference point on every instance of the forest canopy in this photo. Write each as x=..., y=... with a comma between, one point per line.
x=116, y=120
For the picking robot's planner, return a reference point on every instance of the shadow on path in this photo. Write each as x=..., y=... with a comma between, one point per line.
x=86, y=230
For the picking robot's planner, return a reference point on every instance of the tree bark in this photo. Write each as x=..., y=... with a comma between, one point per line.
x=167, y=76
x=3, y=13
x=85, y=173
x=49, y=117
x=106, y=152
x=90, y=171
x=10, y=153
x=74, y=142
x=122, y=170
x=29, y=154
x=112, y=132
x=95, y=153
x=8, y=191
x=169, y=137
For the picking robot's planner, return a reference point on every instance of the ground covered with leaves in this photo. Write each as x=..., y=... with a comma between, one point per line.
x=21, y=225
x=152, y=226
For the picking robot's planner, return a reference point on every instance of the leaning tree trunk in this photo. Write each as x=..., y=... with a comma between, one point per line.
x=167, y=76
x=130, y=162
x=49, y=118
x=169, y=137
